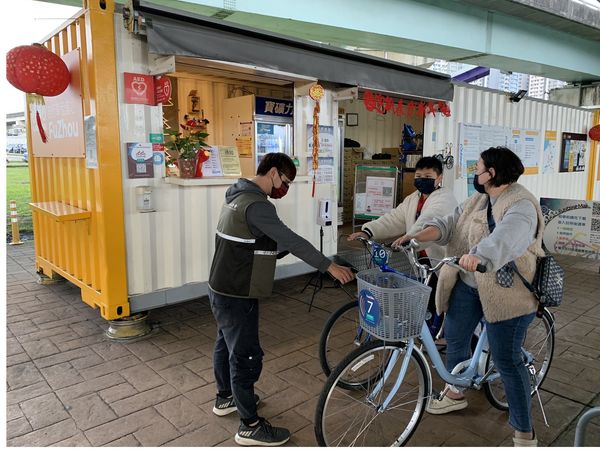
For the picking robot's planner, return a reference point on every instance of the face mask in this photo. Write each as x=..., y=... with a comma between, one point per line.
x=425, y=185
x=478, y=186
x=279, y=193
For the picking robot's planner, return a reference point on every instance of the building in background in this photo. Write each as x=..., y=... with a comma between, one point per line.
x=536, y=86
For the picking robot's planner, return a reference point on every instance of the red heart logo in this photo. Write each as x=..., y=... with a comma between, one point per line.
x=139, y=87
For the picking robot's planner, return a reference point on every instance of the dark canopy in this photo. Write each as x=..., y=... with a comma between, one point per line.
x=173, y=32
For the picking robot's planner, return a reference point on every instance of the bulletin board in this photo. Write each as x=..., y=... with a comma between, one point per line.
x=375, y=190
x=475, y=138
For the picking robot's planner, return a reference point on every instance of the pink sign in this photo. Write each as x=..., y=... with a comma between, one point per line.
x=139, y=88
x=162, y=89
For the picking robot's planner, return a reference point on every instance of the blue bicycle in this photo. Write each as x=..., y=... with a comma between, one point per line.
x=390, y=377
x=342, y=332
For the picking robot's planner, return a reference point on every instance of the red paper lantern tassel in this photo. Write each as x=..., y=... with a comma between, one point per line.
x=38, y=119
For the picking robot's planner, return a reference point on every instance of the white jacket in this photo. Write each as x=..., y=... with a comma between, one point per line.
x=401, y=220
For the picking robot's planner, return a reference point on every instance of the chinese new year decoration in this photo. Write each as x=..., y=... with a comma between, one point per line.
x=383, y=104
x=38, y=72
x=316, y=92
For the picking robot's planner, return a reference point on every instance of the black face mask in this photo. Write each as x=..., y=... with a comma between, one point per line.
x=478, y=186
x=425, y=185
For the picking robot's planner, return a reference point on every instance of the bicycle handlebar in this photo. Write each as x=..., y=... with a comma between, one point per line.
x=411, y=246
x=371, y=242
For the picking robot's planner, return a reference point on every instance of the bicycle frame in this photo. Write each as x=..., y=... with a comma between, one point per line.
x=467, y=377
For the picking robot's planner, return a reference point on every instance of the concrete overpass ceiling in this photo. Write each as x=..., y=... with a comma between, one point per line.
x=561, y=42
x=578, y=17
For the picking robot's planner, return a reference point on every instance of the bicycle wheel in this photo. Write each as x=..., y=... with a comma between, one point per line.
x=539, y=343
x=357, y=417
x=341, y=335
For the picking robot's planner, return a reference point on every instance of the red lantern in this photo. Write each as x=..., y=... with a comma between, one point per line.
x=36, y=70
x=594, y=133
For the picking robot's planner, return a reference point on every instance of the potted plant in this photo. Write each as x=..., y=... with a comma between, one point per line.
x=183, y=149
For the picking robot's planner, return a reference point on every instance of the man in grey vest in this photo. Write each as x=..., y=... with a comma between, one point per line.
x=249, y=237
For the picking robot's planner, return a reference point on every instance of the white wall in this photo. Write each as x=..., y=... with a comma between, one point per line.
x=476, y=105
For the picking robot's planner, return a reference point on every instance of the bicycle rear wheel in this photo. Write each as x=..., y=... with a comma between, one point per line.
x=539, y=343
x=357, y=417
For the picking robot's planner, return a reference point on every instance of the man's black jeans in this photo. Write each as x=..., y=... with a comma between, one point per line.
x=237, y=359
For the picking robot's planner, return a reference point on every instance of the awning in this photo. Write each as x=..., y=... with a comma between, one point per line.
x=173, y=32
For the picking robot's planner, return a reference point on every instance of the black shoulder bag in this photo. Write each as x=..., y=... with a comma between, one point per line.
x=547, y=285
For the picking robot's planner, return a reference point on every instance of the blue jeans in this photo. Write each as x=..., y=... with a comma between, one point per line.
x=505, y=339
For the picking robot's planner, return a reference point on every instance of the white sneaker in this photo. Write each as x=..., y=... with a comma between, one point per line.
x=519, y=442
x=445, y=405
x=525, y=442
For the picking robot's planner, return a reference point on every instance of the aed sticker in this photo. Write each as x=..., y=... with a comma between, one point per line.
x=159, y=158
x=369, y=308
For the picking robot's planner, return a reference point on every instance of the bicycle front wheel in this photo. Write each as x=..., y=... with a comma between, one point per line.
x=539, y=348
x=349, y=418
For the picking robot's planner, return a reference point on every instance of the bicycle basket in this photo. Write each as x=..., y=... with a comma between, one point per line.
x=392, y=307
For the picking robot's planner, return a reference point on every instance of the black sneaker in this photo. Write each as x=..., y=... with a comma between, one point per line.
x=224, y=406
x=262, y=434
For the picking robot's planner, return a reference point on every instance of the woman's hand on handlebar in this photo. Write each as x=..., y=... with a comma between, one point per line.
x=401, y=241
x=358, y=234
x=471, y=263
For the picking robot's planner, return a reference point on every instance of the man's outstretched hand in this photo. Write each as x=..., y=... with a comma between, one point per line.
x=341, y=273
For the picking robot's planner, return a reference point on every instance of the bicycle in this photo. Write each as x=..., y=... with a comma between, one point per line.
x=342, y=332
x=391, y=377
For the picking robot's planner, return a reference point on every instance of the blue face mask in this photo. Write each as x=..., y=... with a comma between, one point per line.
x=425, y=185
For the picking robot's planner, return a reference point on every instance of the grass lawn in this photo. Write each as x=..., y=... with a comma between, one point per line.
x=18, y=188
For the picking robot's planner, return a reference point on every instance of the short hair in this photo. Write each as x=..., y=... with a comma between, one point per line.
x=506, y=164
x=281, y=161
x=430, y=162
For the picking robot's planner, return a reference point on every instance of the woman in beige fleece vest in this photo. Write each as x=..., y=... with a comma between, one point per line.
x=512, y=233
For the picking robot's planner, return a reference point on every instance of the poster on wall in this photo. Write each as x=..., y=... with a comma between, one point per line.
x=475, y=138
x=326, y=140
x=572, y=157
x=325, y=172
x=140, y=157
x=550, y=152
x=528, y=150
x=471, y=169
x=379, y=195
x=572, y=227
x=91, y=149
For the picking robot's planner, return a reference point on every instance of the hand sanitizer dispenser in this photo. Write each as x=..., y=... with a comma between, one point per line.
x=324, y=214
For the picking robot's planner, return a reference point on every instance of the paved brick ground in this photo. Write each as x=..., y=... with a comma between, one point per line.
x=68, y=385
